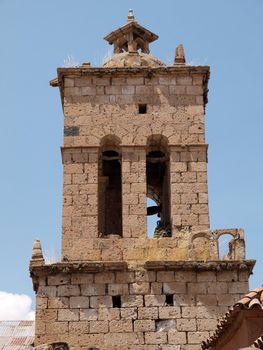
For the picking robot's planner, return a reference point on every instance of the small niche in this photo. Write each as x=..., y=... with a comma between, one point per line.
x=169, y=299
x=142, y=108
x=116, y=301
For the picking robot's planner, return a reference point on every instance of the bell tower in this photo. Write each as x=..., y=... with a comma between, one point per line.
x=134, y=129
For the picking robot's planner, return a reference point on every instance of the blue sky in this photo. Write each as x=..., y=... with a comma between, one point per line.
x=37, y=36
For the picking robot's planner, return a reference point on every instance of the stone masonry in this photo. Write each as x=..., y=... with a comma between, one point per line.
x=134, y=128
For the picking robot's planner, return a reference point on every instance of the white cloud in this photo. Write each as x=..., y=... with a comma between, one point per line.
x=15, y=307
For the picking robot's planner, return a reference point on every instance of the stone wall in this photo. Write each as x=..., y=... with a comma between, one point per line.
x=104, y=105
x=163, y=309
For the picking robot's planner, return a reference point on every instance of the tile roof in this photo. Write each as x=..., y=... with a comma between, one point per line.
x=259, y=342
x=16, y=335
x=252, y=300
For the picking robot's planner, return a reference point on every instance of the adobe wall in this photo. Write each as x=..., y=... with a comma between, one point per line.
x=77, y=308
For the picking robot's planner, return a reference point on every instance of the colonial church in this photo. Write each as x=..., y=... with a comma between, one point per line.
x=134, y=128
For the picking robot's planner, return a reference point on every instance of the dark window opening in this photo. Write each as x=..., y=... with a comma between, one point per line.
x=169, y=299
x=158, y=189
x=110, y=192
x=116, y=301
x=142, y=108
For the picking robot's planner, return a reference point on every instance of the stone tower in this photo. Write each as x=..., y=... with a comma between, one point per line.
x=134, y=128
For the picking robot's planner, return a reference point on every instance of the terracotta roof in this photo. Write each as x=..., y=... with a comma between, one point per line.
x=252, y=300
x=259, y=342
x=16, y=335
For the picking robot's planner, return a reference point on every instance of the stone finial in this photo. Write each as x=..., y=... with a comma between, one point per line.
x=179, y=55
x=37, y=255
x=131, y=17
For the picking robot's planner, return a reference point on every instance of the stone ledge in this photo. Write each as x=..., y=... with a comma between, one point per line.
x=201, y=265
x=71, y=267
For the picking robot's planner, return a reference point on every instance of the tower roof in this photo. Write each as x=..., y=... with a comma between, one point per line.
x=131, y=37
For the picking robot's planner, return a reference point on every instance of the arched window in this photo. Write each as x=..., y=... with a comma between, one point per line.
x=158, y=189
x=110, y=187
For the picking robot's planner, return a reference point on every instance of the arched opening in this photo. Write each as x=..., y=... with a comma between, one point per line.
x=110, y=187
x=157, y=178
x=224, y=246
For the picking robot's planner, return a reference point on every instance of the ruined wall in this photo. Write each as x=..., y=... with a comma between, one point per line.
x=164, y=309
x=107, y=106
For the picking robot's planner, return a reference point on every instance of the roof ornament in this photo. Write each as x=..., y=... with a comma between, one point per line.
x=37, y=255
x=179, y=55
x=131, y=37
x=131, y=17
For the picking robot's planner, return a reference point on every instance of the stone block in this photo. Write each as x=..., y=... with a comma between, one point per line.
x=60, y=279
x=197, y=337
x=165, y=276
x=94, y=289
x=57, y=328
x=118, y=289
x=79, y=327
x=206, y=324
x=154, y=300
x=129, y=313
x=147, y=313
x=89, y=314
x=175, y=337
x=108, y=314
x=188, y=324
x=155, y=337
x=98, y=326
x=105, y=277
x=58, y=303
x=79, y=302
x=100, y=301
x=68, y=290
x=132, y=301
x=68, y=315
x=174, y=287
x=139, y=288
x=144, y=326
x=169, y=312
x=121, y=326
